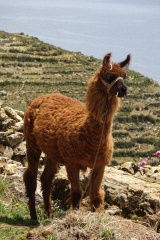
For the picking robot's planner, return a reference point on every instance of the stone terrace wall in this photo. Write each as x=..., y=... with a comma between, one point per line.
x=12, y=143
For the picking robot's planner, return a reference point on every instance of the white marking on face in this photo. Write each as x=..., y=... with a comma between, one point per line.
x=111, y=66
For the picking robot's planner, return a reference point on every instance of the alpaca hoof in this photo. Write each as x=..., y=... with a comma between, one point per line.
x=76, y=199
x=34, y=217
x=49, y=214
x=97, y=200
x=33, y=213
x=35, y=222
x=96, y=203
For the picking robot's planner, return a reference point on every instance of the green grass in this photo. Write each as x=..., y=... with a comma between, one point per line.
x=108, y=234
x=3, y=187
x=14, y=221
x=14, y=215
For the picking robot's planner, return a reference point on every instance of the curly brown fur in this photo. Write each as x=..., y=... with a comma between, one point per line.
x=68, y=132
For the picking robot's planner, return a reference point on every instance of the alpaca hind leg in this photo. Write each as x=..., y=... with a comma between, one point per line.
x=76, y=191
x=30, y=178
x=96, y=193
x=46, y=180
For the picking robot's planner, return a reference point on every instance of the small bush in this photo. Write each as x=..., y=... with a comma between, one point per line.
x=126, y=109
x=107, y=234
x=120, y=134
x=124, y=144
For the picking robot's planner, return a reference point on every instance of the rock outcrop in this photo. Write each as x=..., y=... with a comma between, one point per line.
x=12, y=144
x=137, y=198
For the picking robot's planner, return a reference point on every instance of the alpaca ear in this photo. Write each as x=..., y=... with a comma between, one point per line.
x=125, y=64
x=106, y=59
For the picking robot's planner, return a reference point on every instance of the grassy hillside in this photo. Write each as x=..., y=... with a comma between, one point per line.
x=30, y=67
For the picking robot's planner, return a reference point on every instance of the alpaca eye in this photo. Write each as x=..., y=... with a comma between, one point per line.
x=109, y=78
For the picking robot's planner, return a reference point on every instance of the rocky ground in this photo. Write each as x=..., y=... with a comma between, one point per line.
x=130, y=192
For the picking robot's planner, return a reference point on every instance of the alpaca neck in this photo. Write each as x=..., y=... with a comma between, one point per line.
x=98, y=101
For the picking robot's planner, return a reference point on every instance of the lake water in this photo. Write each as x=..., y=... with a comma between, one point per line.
x=93, y=27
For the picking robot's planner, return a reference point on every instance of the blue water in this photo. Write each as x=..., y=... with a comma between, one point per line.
x=93, y=27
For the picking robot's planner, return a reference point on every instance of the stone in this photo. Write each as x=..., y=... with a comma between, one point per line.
x=8, y=152
x=10, y=169
x=2, y=149
x=1, y=169
x=46, y=232
x=18, y=126
x=61, y=188
x=19, y=153
x=3, y=162
x=1, y=102
x=156, y=176
x=129, y=167
x=16, y=182
x=114, y=210
x=12, y=113
x=156, y=169
x=3, y=93
x=8, y=123
x=15, y=138
x=20, y=149
x=10, y=161
x=3, y=115
x=20, y=113
x=3, y=159
x=147, y=170
x=132, y=195
x=3, y=136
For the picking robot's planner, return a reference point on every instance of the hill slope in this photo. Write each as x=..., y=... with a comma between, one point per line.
x=30, y=67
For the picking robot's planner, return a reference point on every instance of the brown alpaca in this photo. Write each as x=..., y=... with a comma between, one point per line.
x=69, y=132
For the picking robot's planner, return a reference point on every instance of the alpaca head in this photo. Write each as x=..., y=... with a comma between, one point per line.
x=112, y=76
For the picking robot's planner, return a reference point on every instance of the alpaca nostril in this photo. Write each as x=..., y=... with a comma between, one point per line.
x=123, y=89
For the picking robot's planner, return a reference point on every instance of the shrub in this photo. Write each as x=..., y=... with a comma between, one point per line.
x=124, y=144
x=120, y=134
x=126, y=109
x=107, y=234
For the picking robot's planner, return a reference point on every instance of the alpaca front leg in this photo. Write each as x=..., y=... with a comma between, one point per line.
x=96, y=193
x=46, y=180
x=76, y=191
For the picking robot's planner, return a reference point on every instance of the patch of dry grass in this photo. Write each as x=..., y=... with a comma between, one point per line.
x=92, y=226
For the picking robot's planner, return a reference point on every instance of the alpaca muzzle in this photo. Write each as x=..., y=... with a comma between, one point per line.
x=122, y=89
